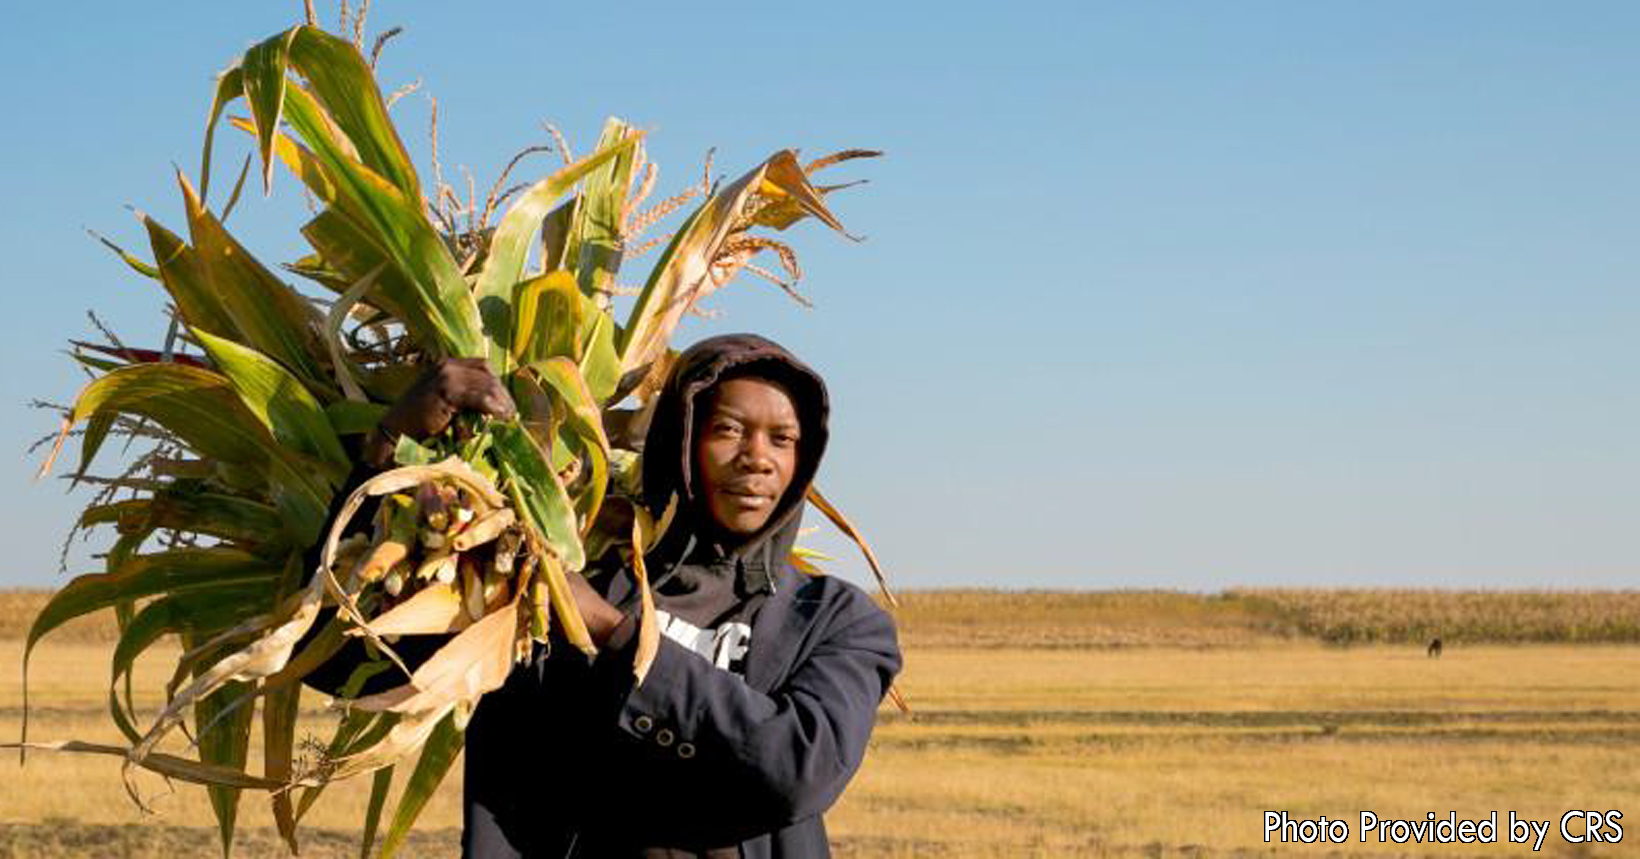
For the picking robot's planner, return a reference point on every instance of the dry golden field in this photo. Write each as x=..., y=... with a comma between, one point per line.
x=1139, y=724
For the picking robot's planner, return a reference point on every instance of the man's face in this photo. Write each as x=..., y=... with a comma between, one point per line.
x=746, y=452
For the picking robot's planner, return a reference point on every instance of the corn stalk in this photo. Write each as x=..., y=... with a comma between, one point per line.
x=474, y=534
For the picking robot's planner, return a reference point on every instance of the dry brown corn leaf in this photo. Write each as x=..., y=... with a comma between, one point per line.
x=170, y=766
x=473, y=663
x=649, y=634
x=435, y=608
x=405, y=737
x=264, y=657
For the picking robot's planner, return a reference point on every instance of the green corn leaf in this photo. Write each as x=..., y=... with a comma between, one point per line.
x=562, y=454
x=184, y=278
x=226, y=517
x=227, y=746
x=113, y=513
x=198, y=405
x=563, y=377
x=342, y=81
x=125, y=612
x=348, y=417
x=302, y=497
x=187, y=507
x=597, y=239
x=299, y=160
x=377, y=732
x=397, y=225
x=230, y=84
x=201, y=611
x=509, y=248
x=555, y=319
x=408, y=451
x=279, y=713
x=277, y=398
x=202, y=409
x=437, y=754
x=547, y=505
x=379, y=785
x=584, y=420
x=388, y=383
x=147, y=575
x=137, y=265
x=124, y=549
x=535, y=409
x=552, y=314
x=99, y=364
x=315, y=268
x=96, y=432
x=349, y=251
x=600, y=363
x=590, y=499
x=555, y=232
x=269, y=316
x=262, y=70
x=350, y=728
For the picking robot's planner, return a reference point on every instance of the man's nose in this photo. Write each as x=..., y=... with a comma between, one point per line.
x=755, y=453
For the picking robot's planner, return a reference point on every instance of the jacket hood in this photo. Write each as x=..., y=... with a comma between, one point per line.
x=668, y=465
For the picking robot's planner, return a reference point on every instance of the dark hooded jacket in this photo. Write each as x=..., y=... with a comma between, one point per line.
x=570, y=758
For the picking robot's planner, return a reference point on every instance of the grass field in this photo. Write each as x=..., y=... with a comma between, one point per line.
x=1042, y=725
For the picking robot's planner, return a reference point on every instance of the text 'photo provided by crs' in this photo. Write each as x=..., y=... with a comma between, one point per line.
x=1577, y=826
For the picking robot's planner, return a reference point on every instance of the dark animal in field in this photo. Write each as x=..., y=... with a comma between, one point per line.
x=1435, y=648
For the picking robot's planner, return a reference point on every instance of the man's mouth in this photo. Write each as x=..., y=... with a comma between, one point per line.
x=749, y=498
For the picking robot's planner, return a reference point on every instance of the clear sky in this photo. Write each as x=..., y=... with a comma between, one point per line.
x=1182, y=295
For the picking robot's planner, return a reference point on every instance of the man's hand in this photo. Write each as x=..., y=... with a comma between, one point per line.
x=451, y=386
x=601, y=618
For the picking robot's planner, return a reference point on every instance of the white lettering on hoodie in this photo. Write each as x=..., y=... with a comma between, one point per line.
x=725, y=647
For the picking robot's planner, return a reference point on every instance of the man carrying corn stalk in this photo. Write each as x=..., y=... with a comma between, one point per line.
x=763, y=691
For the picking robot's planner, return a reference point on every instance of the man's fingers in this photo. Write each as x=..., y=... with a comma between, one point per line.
x=469, y=384
x=488, y=397
x=500, y=405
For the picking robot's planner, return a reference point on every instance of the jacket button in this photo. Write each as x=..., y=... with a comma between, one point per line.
x=663, y=737
x=686, y=750
x=643, y=724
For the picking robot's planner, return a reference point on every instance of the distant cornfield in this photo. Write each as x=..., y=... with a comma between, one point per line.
x=1120, y=619
x=1403, y=616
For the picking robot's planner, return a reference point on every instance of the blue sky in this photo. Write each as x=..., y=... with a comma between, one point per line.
x=1183, y=295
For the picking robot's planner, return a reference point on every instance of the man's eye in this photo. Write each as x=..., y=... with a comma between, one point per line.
x=725, y=428
x=785, y=439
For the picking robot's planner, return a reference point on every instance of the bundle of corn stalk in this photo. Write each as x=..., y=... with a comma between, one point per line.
x=255, y=403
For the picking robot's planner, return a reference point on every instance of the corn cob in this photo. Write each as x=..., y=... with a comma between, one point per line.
x=495, y=588
x=446, y=573
x=506, y=551
x=399, y=514
x=472, y=588
x=539, y=603
x=394, y=582
x=484, y=530
x=432, y=566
